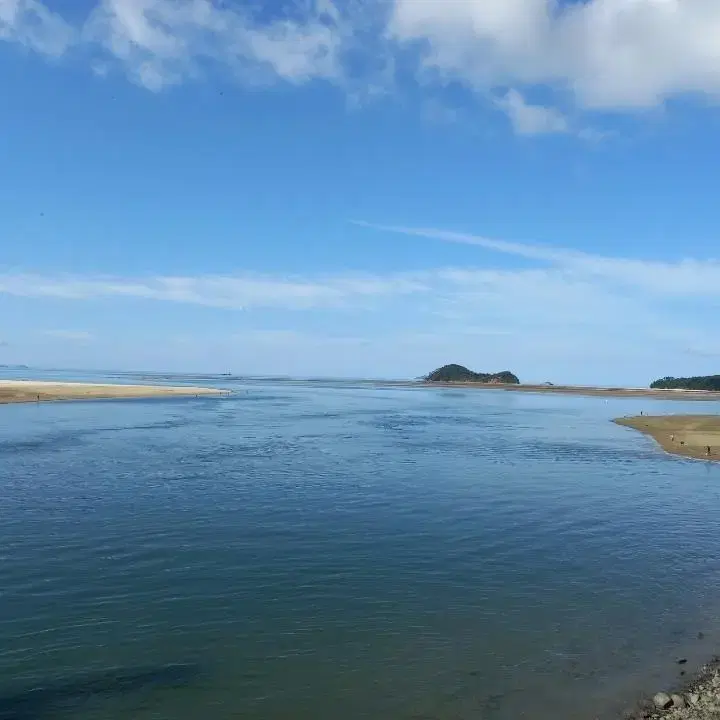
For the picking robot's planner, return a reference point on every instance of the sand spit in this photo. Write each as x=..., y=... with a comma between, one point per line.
x=14, y=391
x=695, y=436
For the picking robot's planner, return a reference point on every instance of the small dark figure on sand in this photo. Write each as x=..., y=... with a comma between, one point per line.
x=708, y=451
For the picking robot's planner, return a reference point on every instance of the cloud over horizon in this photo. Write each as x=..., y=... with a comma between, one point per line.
x=566, y=306
x=594, y=55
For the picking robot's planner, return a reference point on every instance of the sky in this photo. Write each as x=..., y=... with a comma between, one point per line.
x=362, y=188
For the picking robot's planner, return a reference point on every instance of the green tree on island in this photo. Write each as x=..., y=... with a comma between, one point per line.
x=698, y=382
x=459, y=373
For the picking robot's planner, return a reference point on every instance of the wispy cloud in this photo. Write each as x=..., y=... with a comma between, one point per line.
x=688, y=277
x=559, y=311
x=234, y=292
x=596, y=54
x=558, y=277
x=72, y=335
x=32, y=24
x=295, y=338
x=163, y=42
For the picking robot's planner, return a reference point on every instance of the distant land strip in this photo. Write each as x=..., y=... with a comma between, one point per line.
x=669, y=388
x=590, y=391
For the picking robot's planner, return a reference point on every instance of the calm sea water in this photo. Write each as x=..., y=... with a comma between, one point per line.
x=326, y=550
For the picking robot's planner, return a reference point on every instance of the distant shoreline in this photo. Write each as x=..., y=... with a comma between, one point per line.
x=684, y=435
x=24, y=391
x=589, y=391
x=12, y=391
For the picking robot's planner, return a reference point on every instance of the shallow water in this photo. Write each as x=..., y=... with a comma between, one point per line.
x=324, y=550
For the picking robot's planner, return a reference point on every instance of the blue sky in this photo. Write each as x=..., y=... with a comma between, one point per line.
x=366, y=188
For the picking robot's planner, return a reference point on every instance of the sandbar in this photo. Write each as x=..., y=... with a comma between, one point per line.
x=686, y=435
x=16, y=391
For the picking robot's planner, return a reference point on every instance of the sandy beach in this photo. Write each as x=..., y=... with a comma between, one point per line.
x=687, y=435
x=16, y=391
x=589, y=391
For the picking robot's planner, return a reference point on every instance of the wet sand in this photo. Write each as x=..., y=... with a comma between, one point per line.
x=591, y=391
x=16, y=391
x=686, y=435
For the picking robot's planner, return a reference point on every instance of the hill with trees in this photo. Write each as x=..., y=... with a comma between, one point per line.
x=699, y=382
x=459, y=373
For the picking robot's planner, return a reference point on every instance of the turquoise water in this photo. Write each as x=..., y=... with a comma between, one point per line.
x=323, y=550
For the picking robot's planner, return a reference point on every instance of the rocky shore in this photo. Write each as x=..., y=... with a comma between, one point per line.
x=698, y=699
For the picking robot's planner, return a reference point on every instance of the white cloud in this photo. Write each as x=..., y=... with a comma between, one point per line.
x=609, y=54
x=531, y=119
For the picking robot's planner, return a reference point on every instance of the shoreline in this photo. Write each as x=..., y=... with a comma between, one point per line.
x=686, y=436
x=588, y=391
x=26, y=391
x=697, y=698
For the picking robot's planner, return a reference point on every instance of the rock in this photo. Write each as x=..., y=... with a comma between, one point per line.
x=693, y=698
x=662, y=700
x=678, y=701
x=681, y=661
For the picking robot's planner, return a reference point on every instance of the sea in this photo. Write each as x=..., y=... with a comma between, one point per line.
x=320, y=549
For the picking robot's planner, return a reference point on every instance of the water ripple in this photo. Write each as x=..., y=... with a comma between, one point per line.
x=324, y=550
